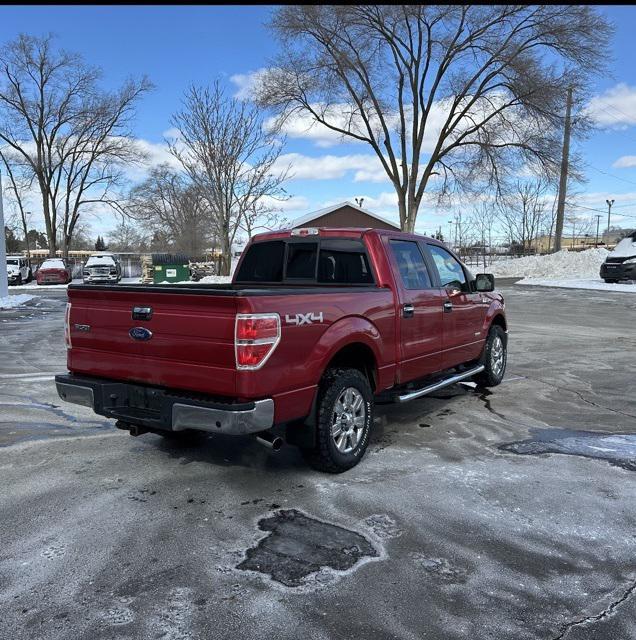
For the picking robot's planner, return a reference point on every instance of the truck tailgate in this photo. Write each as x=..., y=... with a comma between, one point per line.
x=191, y=346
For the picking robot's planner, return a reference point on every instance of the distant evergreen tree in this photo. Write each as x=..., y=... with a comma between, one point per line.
x=100, y=245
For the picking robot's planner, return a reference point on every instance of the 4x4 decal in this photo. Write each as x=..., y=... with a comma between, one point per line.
x=303, y=318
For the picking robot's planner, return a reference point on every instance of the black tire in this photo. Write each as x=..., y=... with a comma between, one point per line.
x=325, y=455
x=494, y=372
x=609, y=281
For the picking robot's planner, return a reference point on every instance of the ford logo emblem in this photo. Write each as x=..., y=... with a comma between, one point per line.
x=140, y=333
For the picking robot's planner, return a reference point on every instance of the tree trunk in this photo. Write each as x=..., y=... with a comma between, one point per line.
x=226, y=254
x=50, y=227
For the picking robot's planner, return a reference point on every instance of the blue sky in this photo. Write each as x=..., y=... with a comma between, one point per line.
x=179, y=45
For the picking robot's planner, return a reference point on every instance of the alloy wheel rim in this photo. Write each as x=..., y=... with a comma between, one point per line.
x=349, y=418
x=497, y=356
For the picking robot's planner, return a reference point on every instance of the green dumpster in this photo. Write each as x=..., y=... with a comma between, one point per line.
x=168, y=267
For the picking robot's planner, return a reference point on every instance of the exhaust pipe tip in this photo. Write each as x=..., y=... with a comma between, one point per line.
x=269, y=440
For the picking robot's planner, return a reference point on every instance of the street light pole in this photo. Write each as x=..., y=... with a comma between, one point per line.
x=450, y=234
x=4, y=282
x=598, y=220
x=609, y=215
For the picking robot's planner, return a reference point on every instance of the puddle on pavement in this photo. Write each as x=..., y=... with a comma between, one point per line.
x=298, y=546
x=619, y=449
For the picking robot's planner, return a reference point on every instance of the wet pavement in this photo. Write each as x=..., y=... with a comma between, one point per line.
x=505, y=513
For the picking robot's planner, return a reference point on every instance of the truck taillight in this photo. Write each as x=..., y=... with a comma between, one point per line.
x=67, y=326
x=255, y=338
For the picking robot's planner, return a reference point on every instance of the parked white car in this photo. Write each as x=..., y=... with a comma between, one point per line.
x=102, y=267
x=18, y=270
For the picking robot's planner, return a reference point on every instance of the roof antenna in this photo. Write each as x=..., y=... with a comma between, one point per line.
x=359, y=201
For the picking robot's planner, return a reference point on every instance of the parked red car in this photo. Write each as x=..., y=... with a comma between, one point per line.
x=316, y=326
x=53, y=271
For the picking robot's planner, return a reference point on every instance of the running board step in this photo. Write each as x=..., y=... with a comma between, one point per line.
x=441, y=384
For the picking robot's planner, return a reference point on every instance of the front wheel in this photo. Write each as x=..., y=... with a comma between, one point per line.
x=494, y=358
x=343, y=425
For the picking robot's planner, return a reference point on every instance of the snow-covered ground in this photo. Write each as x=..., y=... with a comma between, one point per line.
x=566, y=269
x=33, y=285
x=580, y=283
x=11, y=302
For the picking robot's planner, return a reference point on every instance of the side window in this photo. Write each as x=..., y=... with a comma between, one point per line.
x=411, y=264
x=343, y=261
x=449, y=269
x=301, y=260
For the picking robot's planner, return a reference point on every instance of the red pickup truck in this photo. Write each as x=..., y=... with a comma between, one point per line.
x=316, y=326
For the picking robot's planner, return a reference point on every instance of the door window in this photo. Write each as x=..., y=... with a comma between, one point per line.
x=411, y=265
x=451, y=272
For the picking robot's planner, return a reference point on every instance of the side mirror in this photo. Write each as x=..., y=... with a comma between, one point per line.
x=453, y=288
x=484, y=282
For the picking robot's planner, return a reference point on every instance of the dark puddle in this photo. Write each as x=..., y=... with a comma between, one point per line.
x=619, y=449
x=299, y=546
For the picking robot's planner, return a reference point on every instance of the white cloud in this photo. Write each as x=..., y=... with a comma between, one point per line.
x=367, y=167
x=625, y=162
x=246, y=82
x=615, y=108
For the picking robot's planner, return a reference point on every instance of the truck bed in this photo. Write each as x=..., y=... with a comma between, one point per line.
x=192, y=343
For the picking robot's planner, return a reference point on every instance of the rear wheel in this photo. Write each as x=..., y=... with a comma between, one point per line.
x=494, y=358
x=343, y=426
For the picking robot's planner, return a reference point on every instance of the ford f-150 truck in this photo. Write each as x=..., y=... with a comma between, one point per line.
x=316, y=326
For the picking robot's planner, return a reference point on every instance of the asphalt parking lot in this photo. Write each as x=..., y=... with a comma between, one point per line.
x=504, y=516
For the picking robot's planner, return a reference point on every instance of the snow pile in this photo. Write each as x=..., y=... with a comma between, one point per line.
x=11, y=302
x=215, y=280
x=568, y=264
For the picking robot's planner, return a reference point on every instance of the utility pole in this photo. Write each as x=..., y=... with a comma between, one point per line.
x=450, y=233
x=4, y=283
x=609, y=216
x=563, y=180
x=598, y=220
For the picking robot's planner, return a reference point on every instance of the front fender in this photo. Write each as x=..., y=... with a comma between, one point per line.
x=495, y=309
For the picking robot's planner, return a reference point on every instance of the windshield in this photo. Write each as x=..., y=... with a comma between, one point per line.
x=12, y=261
x=53, y=264
x=626, y=248
x=100, y=260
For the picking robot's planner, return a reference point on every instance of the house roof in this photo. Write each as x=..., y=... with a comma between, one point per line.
x=321, y=212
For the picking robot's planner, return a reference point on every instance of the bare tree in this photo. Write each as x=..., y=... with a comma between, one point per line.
x=19, y=184
x=460, y=93
x=523, y=212
x=127, y=237
x=73, y=137
x=263, y=217
x=229, y=156
x=171, y=207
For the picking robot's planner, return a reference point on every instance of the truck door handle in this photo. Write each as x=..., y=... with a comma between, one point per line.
x=448, y=306
x=408, y=310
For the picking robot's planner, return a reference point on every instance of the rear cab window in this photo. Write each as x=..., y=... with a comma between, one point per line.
x=336, y=261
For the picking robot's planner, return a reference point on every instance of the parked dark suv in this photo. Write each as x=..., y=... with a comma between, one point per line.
x=621, y=263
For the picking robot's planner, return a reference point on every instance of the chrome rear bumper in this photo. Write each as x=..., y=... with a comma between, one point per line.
x=155, y=408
